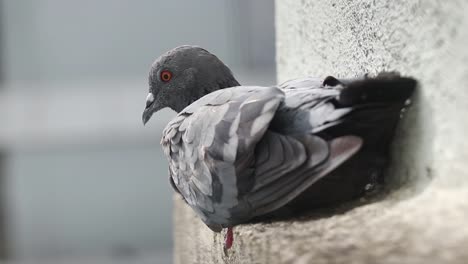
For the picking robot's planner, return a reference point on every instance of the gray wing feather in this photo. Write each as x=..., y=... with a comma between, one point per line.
x=284, y=155
x=315, y=150
x=323, y=159
x=309, y=107
x=308, y=82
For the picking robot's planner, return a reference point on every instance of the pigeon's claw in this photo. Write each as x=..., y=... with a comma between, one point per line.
x=228, y=240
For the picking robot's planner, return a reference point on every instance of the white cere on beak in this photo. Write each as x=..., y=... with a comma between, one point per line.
x=149, y=99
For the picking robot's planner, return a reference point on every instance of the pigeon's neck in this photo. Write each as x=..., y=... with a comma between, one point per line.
x=205, y=89
x=226, y=83
x=214, y=86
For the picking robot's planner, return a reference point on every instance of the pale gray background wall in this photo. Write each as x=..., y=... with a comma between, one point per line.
x=69, y=40
x=423, y=219
x=83, y=180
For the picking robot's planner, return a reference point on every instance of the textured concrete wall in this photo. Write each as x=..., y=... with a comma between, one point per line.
x=424, y=219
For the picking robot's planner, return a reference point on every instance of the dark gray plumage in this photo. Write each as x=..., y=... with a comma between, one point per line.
x=240, y=152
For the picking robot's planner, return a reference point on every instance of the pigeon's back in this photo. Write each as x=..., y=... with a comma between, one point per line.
x=245, y=152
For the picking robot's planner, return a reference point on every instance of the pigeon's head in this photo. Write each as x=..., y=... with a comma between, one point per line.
x=183, y=75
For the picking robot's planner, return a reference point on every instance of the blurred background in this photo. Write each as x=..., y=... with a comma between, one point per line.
x=81, y=179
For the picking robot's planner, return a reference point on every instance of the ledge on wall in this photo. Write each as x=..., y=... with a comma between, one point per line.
x=423, y=219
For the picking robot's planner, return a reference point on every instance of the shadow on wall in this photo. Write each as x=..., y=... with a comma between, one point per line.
x=411, y=142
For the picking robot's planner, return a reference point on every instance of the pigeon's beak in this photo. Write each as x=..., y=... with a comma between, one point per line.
x=151, y=107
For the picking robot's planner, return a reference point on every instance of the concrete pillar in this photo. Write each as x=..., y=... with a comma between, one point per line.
x=424, y=218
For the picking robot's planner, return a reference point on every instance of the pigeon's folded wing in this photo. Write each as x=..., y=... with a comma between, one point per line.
x=229, y=166
x=211, y=143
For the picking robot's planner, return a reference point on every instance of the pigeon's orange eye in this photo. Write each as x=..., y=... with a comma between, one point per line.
x=166, y=76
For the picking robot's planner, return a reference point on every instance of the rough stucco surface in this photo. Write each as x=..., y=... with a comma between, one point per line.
x=424, y=218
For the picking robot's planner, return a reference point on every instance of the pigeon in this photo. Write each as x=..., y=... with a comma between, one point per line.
x=238, y=153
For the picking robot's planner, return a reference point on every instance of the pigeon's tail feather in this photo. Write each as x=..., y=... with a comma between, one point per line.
x=385, y=88
x=376, y=109
x=376, y=105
